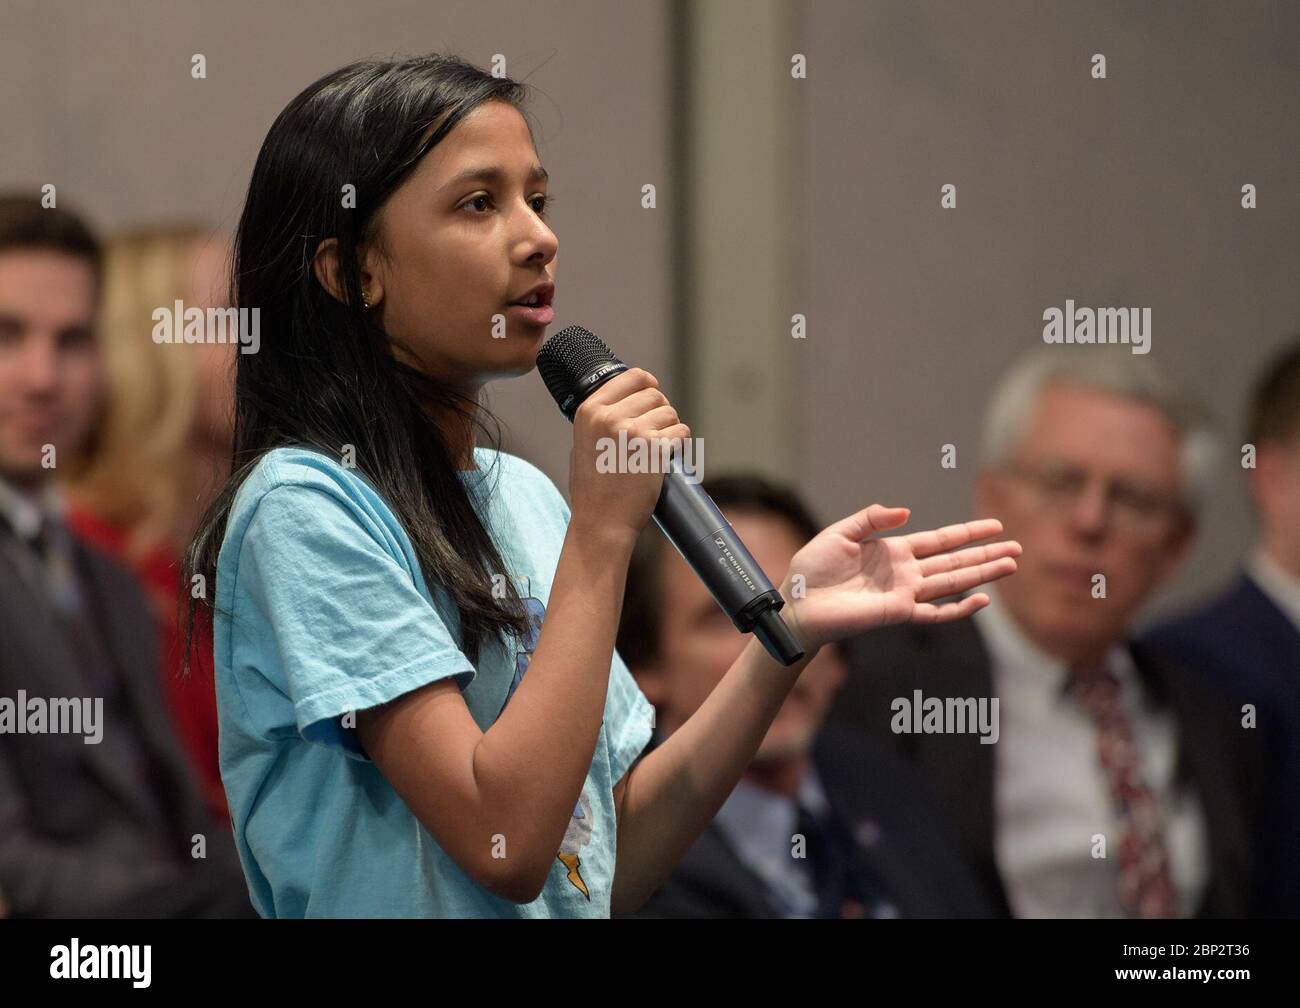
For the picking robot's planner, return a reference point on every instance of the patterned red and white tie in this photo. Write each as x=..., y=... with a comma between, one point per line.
x=1146, y=886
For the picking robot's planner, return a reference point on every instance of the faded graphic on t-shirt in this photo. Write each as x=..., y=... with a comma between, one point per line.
x=578, y=835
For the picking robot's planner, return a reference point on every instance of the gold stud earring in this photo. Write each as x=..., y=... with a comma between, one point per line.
x=365, y=300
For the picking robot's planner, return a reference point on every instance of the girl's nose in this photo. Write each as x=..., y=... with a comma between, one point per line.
x=539, y=239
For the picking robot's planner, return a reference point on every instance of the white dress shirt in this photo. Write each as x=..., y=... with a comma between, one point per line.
x=1279, y=585
x=25, y=512
x=1051, y=795
x=759, y=823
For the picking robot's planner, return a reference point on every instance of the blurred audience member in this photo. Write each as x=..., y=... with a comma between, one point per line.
x=99, y=815
x=1114, y=783
x=1248, y=637
x=872, y=845
x=162, y=450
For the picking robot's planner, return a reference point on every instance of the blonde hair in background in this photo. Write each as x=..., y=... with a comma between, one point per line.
x=135, y=473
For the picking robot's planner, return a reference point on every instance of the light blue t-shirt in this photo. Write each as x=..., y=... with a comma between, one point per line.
x=321, y=611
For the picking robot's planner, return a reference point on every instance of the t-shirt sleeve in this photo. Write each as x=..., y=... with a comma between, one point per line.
x=629, y=719
x=337, y=613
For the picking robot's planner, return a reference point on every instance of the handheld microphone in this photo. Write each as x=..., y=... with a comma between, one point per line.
x=574, y=363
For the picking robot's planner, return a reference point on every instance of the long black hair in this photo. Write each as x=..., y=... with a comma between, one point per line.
x=325, y=374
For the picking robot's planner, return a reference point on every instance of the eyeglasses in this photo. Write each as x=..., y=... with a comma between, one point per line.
x=1132, y=507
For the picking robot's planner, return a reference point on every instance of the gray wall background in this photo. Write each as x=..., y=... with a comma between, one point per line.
x=1117, y=192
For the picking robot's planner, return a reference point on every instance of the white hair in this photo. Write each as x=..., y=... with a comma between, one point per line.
x=1118, y=372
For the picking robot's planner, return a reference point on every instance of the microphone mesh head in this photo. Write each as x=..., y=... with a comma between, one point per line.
x=569, y=356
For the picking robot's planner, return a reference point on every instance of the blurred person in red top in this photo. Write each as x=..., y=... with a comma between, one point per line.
x=163, y=448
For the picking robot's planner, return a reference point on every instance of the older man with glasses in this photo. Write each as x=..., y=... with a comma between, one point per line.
x=1119, y=785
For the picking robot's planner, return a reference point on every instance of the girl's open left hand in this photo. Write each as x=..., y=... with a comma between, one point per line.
x=844, y=582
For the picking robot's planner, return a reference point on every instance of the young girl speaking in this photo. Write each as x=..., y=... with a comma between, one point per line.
x=422, y=712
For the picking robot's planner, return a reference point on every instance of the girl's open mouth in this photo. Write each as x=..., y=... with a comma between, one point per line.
x=535, y=314
x=535, y=306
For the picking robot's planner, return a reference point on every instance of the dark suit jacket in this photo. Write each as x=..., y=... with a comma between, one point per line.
x=908, y=852
x=70, y=845
x=1219, y=759
x=1244, y=643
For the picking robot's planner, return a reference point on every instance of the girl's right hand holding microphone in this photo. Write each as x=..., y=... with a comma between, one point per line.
x=617, y=504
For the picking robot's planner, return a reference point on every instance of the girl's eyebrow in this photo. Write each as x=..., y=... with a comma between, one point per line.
x=494, y=173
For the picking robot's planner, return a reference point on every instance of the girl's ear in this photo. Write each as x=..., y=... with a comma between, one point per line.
x=325, y=264
x=372, y=283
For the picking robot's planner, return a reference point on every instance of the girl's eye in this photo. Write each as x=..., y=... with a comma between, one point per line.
x=544, y=199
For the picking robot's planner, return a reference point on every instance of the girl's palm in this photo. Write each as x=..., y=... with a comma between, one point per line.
x=844, y=582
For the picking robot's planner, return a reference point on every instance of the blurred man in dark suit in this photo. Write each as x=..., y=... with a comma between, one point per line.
x=98, y=814
x=1114, y=783
x=1247, y=639
x=871, y=843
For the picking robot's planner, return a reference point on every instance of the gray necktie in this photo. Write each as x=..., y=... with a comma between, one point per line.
x=53, y=551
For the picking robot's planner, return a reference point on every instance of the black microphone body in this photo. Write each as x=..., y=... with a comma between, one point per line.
x=574, y=363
